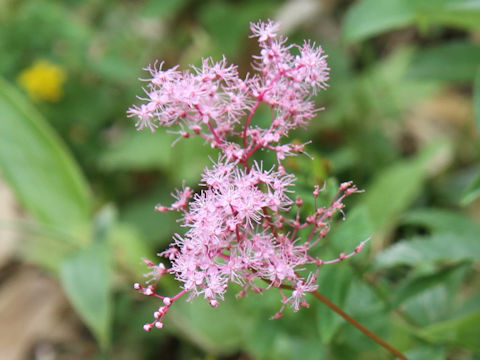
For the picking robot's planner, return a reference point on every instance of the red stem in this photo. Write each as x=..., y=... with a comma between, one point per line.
x=215, y=135
x=359, y=326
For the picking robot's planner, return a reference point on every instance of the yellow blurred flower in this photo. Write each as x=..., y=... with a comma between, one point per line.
x=43, y=81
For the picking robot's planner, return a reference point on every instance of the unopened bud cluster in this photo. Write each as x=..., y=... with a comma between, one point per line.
x=237, y=228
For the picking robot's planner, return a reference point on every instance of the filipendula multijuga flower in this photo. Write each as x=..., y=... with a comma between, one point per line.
x=237, y=228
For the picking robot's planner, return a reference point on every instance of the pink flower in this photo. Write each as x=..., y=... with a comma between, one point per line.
x=264, y=31
x=237, y=227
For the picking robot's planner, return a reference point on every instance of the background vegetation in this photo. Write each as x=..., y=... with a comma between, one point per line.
x=402, y=120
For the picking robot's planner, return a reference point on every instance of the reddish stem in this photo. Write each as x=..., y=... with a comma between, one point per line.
x=215, y=135
x=359, y=326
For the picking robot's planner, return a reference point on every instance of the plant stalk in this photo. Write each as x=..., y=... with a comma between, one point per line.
x=359, y=326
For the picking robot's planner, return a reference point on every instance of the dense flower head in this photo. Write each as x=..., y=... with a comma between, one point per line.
x=237, y=228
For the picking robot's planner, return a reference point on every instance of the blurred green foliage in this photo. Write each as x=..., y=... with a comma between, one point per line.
x=89, y=182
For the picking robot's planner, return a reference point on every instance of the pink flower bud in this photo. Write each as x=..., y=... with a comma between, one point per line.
x=148, y=262
x=304, y=304
x=148, y=291
x=278, y=315
x=161, y=208
x=344, y=186
x=159, y=325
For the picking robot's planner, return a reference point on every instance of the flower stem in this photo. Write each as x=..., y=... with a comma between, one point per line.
x=359, y=326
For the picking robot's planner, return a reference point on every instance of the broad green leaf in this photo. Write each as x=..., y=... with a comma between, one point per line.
x=38, y=166
x=362, y=299
x=443, y=221
x=334, y=282
x=371, y=17
x=396, y=187
x=220, y=330
x=417, y=284
x=426, y=352
x=464, y=14
x=463, y=331
x=288, y=338
x=86, y=278
x=436, y=302
x=291, y=347
x=348, y=234
x=469, y=303
x=368, y=18
x=453, y=61
x=444, y=247
x=364, y=305
x=129, y=248
x=280, y=338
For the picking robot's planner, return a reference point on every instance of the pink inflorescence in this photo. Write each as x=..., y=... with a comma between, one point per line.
x=237, y=227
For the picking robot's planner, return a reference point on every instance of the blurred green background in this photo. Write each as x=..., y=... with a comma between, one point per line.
x=78, y=184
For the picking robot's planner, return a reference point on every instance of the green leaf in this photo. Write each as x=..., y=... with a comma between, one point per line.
x=392, y=191
x=464, y=14
x=463, y=331
x=396, y=187
x=445, y=247
x=443, y=221
x=365, y=306
x=334, y=282
x=371, y=17
x=417, y=284
x=194, y=321
x=38, y=166
x=453, y=61
x=426, y=352
x=368, y=18
x=291, y=347
x=129, y=248
x=437, y=302
x=348, y=234
x=87, y=281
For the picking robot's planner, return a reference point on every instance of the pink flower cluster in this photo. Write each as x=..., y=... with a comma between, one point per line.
x=237, y=228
